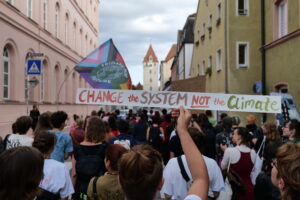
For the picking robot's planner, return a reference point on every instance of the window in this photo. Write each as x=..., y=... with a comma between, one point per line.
x=67, y=29
x=56, y=84
x=209, y=61
x=86, y=44
x=66, y=85
x=29, y=8
x=219, y=14
x=282, y=18
x=199, y=69
x=150, y=80
x=56, y=21
x=26, y=88
x=242, y=54
x=203, y=68
x=6, y=78
x=80, y=42
x=209, y=22
x=203, y=32
x=150, y=88
x=44, y=78
x=42, y=84
x=45, y=14
x=150, y=58
x=219, y=60
x=150, y=71
x=242, y=7
x=74, y=35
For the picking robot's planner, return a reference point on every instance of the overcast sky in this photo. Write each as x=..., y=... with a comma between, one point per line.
x=133, y=24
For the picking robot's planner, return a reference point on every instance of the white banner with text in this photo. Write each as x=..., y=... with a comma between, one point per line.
x=172, y=99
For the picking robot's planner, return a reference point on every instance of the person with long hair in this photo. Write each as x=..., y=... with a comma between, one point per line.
x=107, y=186
x=43, y=123
x=264, y=189
x=286, y=171
x=78, y=133
x=88, y=160
x=56, y=182
x=21, y=173
x=112, y=121
x=155, y=134
x=141, y=169
x=140, y=129
x=271, y=133
x=241, y=160
x=209, y=149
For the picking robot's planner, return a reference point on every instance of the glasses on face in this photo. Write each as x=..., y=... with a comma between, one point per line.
x=274, y=163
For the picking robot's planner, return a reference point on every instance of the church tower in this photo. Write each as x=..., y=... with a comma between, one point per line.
x=150, y=70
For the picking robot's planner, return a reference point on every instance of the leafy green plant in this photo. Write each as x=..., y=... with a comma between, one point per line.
x=208, y=71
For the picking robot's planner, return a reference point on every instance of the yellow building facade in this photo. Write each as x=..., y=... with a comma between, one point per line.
x=241, y=42
x=283, y=47
x=227, y=45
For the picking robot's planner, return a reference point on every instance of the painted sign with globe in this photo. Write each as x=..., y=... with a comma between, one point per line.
x=105, y=68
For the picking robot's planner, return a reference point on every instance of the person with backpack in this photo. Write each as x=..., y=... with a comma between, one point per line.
x=107, y=187
x=177, y=174
x=155, y=134
x=124, y=138
x=56, y=183
x=88, y=160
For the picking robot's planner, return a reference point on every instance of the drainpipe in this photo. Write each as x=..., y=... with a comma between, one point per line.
x=226, y=46
x=263, y=53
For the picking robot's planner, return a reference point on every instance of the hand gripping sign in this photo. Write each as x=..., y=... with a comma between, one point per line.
x=172, y=99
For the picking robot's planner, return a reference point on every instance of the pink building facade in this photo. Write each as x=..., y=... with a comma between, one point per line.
x=64, y=31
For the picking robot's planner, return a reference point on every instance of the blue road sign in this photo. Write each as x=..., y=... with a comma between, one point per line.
x=34, y=67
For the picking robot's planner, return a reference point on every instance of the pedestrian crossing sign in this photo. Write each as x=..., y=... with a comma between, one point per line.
x=34, y=67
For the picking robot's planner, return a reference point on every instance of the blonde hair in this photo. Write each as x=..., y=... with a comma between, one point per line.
x=140, y=172
x=288, y=166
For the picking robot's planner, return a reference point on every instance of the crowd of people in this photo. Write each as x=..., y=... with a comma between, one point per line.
x=149, y=155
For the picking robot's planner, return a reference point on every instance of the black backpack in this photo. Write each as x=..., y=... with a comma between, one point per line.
x=87, y=167
x=155, y=138
x=3, y=143
x=46, y=195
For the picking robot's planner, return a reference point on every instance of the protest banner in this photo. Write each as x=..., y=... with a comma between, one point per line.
x=172, y=99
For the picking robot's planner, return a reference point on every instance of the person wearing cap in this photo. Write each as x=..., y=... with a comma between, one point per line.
x=235, y=122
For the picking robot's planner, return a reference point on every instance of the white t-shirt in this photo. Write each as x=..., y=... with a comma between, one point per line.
x=192, y=197
x=173, y=133
x=16, y=140
x=175, y=184
x=233, y=154
x=56, y=178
